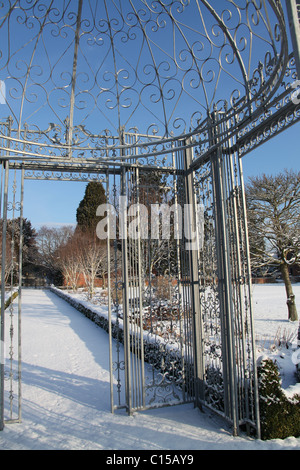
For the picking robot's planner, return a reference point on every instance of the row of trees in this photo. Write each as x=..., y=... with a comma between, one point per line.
x=273, y=210
x=29, y=251
x=61, y=254
x=71, y=253
x=72, y=256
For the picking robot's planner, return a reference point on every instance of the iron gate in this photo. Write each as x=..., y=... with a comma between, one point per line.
x=182, y=299
x=154, y=320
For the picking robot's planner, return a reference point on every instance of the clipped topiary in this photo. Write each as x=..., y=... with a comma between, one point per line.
x=280, y=416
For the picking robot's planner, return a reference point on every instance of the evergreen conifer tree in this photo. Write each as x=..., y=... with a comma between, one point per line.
x=86, y=211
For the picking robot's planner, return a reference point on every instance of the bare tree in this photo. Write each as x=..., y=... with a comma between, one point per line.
x=274, y=226
x=93, y=256
x=50, y=240
x=9, y=260
x=69, y=261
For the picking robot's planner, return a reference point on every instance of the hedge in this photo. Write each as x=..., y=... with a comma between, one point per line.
x=279, y=415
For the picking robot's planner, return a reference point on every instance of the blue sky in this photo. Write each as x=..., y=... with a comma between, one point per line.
x=55, y=202
x=280, y=152
x=52, y=202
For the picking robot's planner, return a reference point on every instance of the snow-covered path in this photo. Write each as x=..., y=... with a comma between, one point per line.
x=65, y=378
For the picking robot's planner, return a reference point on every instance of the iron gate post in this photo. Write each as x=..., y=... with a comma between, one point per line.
x=21, y=240
x=249, y=276
x=125, y=288
x=140, y=294
x=224, y=283
x=192, y=228
x=3, y=261
x=109, y=306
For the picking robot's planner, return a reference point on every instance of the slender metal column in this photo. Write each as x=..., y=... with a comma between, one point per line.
x=125, y=285
x=140, y=287
x=194, y=280
x=236, y=223
x=20, y=301
x=225, y=297
x=225, y=286
x=249, y=275
x=2, y=323
x=1, y=187
x=74, y=71
x=109, y=298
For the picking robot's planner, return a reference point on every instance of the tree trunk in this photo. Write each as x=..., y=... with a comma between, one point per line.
x=293, y=316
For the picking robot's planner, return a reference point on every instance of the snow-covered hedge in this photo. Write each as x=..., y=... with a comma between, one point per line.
x=97, y=314
x=279, y=415
x=162, y=355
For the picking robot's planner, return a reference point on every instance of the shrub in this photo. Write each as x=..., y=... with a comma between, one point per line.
x=280, y=416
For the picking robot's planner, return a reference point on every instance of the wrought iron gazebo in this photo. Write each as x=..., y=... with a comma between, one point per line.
x=159, y=100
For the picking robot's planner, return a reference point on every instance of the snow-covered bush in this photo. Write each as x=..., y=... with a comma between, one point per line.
x=279, y=415
x=161, y=354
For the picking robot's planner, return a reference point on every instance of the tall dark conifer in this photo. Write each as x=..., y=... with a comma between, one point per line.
x=86, y=211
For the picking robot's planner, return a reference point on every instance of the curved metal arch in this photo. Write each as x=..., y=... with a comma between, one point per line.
x=28, y=70
x=170, y=87
x=154, y=64
x=231, y=41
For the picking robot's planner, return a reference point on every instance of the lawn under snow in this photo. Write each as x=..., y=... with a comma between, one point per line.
x=66, y=390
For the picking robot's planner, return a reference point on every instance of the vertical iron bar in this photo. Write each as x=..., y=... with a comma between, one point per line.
x=194, y=280
x=178, y=235
x=74, y=71
x=238, y=275
x=109, y=297
x=125, y=286
x=140, y=282
x=20, y=301
x=2, y=323
x=185, y=266
x=254, y=365
x=12, y=278
x=225, y=285
x=1, y=188
x=116, y=301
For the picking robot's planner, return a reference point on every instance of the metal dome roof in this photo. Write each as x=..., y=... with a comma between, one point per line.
x=153, y=67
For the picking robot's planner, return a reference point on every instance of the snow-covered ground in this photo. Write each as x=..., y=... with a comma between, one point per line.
x=66, y=391
x=276, y=336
